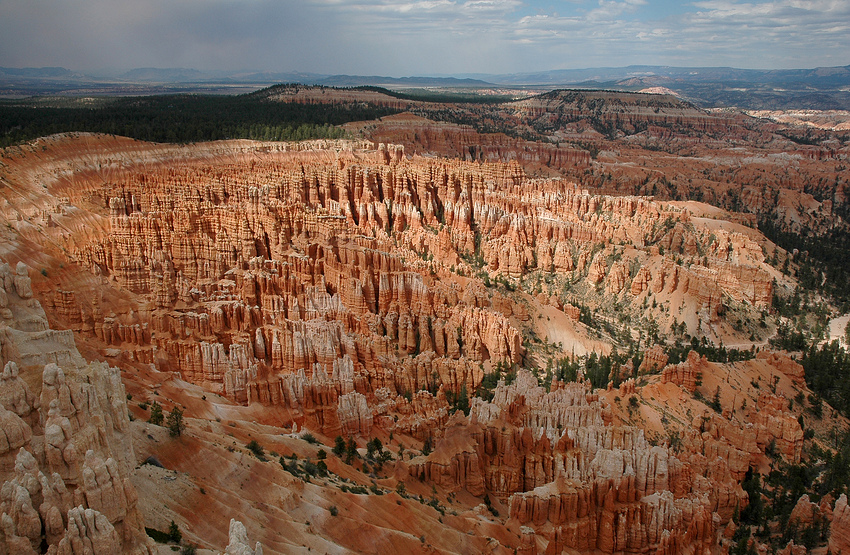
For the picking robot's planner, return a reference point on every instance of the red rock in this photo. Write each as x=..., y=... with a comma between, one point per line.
x=641, y=281
x=654, y=359
x=804, y=512
x=785, y=364
x=685, y=374
x=839, y=530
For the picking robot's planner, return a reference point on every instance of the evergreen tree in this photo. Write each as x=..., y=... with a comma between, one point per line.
x=350, y=450
x=156, y=414
x=339, y=446
x=174, y=533
x=175, y=423
x=427, y=446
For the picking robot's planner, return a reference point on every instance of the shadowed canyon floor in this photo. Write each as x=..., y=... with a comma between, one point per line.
x=282, y=295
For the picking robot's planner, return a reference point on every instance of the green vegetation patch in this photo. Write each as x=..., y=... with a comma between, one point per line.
x=183, y=118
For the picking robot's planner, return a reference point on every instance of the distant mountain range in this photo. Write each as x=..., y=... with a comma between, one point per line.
x=186, y=76
x=822, y=76
x=817, y=88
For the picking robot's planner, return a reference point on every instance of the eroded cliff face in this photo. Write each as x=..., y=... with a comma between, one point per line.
x=585, y=473
x=346, y=289
x=639, y=144
x=302, y=278
x=66, y=452
x=574, y=478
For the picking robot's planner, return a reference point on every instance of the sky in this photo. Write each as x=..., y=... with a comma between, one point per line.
x=400, y=38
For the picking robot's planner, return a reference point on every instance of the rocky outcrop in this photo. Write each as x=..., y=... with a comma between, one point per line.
x=14, y=434
x=88, y=532
x=69, y=486
x=792, y=549
x=785, y=364
x=685, y=374
x=358, y=288
x=599, y=520
x=238, y=544
x=355, y=416
x=654, y=359
x=839, y=530
x=568, y=476
x=775, y=421
x=803, y=512
x=301, y=276
x=15, y=395
x=423, y=136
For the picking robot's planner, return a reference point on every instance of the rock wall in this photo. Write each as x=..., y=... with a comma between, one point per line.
x=839, y=531
x=571, y=477
x=258, y=267
x=66, y=454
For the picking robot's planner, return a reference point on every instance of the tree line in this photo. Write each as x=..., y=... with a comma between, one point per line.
x=183, y=118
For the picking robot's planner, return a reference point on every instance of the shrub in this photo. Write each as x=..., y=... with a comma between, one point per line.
x=489, y=505
x=157, y=535
x=312, y=469
x=374, y=446
x=174, y=533
x=291, y=467
x=257, y=449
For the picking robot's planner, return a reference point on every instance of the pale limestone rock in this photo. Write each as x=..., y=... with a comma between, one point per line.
x=55, y=388
x=14, y=434
x=238, y=544
x=16, y=502
x=89, y=533
x=839, y=530
x=23, y=285
x=7, y=277
x=12, y=542
x=5, y=312
x=104, y=488
x=82, y=409
x=61, y=452
x=15, y=394
x=641, y=281
x=355, y=416
x=654, y=359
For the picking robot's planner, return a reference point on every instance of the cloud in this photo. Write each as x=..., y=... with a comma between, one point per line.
x=406, y=37
x=611, y=8
x=782, y=33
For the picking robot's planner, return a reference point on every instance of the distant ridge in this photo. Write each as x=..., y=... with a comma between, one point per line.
x=167, y=75
x=37, y=73
x=644, y=74
x=821, y=88
x=824, y=76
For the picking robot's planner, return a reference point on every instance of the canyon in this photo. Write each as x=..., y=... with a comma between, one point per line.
x=425, y=286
